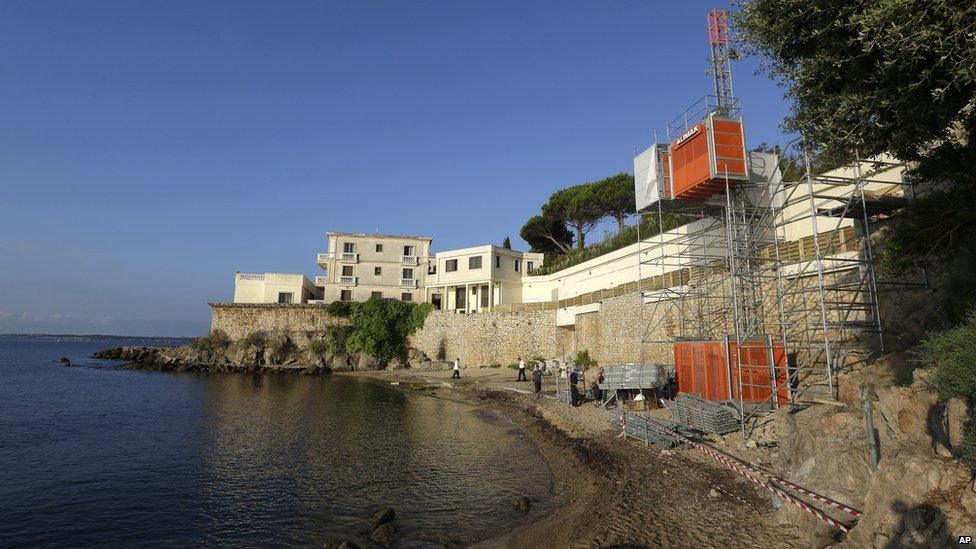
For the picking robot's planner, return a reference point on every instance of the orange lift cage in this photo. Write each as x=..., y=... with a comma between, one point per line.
x=702, y=158
x=711, y=370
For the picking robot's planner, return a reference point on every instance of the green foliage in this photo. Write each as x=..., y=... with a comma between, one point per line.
x=379, y=328
x=318, y=347
x=885, y=76
x=952, y=353
x=507, y=243
x=214, y=341
x=649, y=227
x=256, y=340
x=577, y=207
x=341, y=309
x=513, y=366
x=547, y=235
x=614, y=197
x=583, y=359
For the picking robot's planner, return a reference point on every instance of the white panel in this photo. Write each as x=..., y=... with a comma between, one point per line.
x=647, y=178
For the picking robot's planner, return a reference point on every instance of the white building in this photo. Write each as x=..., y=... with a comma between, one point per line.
x=478, y=278
x=283, y=288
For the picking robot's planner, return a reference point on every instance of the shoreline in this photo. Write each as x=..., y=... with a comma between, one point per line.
x=611, y=492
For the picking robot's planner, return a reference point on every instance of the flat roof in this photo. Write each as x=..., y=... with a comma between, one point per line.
x=378, y=235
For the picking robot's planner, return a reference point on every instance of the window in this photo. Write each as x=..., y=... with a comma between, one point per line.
x=408, y=273
x=286, y=298
x=528, y=266
x=347, y=270
x=498, y=262
x=378, y=271
x=406, y=296
x=518, y=265
x=349, y=248
x=379, y=248
x=474, y=262
x=408, y=250
x=485, y=295
x=450, y=265
x=346, y=295
x=376, y=295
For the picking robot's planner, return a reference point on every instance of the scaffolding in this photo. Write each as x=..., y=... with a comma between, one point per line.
x=774, y=264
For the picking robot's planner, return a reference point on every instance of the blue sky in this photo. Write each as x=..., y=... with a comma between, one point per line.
x=148, y=150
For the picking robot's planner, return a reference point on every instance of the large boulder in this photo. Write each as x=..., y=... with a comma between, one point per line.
x=416, y=357
x=396, y=363
x=382, y=517
x=369, y=363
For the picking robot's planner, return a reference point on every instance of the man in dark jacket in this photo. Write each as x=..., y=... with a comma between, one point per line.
x=574, y=396
x=537, y=380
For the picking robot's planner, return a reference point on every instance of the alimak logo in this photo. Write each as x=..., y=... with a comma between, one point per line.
x=687, y=135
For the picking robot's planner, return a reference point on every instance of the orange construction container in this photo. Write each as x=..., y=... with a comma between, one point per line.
x=703, y=156
x=711, y=369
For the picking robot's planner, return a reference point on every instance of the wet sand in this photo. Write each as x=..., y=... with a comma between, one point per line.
x=613, y=492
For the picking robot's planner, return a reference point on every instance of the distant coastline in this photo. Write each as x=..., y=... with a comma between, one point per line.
x=95, y=337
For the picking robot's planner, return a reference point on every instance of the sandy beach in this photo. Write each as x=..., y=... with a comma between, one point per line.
x=613, y=492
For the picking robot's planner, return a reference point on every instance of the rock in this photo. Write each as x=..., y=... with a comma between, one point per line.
x=383, y=534
x=713, y=493
x=522, y=504
x=415, y=358
x=339, y=544
x=751, y=444
x=369, y=363
x=382, y=517
x=64, y=360
x=396, y=364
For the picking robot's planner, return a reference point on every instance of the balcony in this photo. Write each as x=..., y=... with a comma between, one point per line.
x=409, y=259
x=316, y=302
x=408, y=282
x=250, y=276
x=322, y=258
x=349, y=280
x=349, y=257
x=321, y=280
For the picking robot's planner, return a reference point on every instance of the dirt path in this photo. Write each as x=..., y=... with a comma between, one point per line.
x=618, y=493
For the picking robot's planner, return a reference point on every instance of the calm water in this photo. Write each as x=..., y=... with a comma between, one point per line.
x=98, y=455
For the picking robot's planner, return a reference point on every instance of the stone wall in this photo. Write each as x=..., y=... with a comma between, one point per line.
x=295, y=321
x=489, y=338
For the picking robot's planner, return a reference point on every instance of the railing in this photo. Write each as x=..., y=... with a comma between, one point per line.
x=321, y=280
x=322, y=258
x=348, y=280
x=348, y=256
x=408, y=282
x=316, y=302
x=250, y=276
x=412, y=259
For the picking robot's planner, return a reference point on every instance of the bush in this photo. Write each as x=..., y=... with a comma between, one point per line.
x=281, y=346
x=256, y=339
x=583, y=359
x=215, y=340
x=339, y=308
x=318, y=347
x=379, y=328
x=952, y=354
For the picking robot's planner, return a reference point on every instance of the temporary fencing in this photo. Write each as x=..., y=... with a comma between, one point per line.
x=653, y=428
x=702, y=415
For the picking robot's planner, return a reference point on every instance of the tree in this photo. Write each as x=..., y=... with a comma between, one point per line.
x=614, y=197
x=892, y=76
x=547, y=235
x=507, y=243
x=577, y=206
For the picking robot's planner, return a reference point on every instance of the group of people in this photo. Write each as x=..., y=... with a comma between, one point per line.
x=575, y=399
x=536, y=375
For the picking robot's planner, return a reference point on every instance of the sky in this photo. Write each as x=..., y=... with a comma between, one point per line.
x=149, y=150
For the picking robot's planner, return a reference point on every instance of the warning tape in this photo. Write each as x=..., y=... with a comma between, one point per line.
x=766, y=481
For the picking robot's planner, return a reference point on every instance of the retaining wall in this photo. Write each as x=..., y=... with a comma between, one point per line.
x=295, y=321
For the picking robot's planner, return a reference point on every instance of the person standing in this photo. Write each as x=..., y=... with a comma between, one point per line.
x=457, y=369
x=521, y=376
x=574, y=396
x=537, y=380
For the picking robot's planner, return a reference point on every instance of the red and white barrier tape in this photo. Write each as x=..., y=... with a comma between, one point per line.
x=766, y=481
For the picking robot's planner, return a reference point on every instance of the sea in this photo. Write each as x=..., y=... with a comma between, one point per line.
x=93, y=454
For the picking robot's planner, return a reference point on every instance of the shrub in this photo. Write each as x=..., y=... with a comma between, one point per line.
x=281, y=346
x=339, y=308
x=256, y=339
x=952, y=354
x=379, y=328
x=215, y=340
x=583, y=359
x=318, y=347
